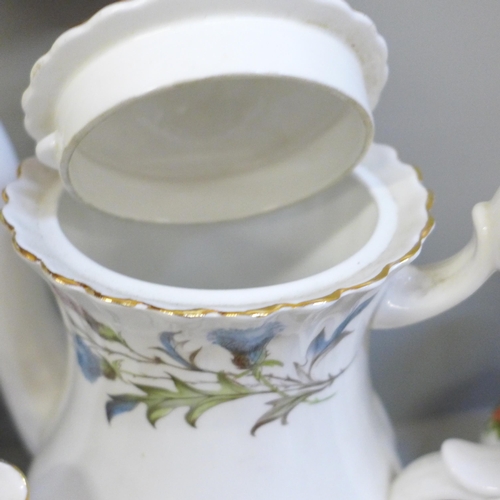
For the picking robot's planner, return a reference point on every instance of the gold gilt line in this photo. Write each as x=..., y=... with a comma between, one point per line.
x=430, y=201
x=200, y=313
x=5, y=223
x=420, y=175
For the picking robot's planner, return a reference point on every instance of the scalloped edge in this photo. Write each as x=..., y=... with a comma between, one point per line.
x=256, y=312
x=74, y=47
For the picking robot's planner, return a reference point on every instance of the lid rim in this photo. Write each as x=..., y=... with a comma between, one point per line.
x=304, y=62
x=190, y=202
x=78, y=44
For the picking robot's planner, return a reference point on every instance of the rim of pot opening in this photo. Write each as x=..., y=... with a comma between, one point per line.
x=404, y=222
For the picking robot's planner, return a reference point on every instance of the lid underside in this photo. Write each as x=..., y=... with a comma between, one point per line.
x=217, y=149
x=188, y=112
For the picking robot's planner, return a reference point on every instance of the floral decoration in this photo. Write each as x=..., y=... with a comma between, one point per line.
x=248, y=347
x=170, y=377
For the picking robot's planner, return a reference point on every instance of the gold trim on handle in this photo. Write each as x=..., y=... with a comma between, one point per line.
x=200, y=313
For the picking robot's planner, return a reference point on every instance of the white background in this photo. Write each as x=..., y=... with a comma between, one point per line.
x=441, y=110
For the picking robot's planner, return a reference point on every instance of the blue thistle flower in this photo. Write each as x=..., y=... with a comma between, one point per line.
x=170, y=346
x=246, y=346
x=89, y=362
x=321, y=345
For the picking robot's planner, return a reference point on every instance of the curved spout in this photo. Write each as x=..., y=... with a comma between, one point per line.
x=418, y=293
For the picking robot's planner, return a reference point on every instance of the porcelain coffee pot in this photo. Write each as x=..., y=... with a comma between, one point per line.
x=216, y=258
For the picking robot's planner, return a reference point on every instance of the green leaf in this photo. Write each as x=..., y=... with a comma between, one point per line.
x=117, y=366
x=497, y=428
x=230, y=386
x=281, y=409
x=161, y=402
x=271, y=362
x=242, y=374
x=109, y=370
x=207, y=403
x=107, y=333
x=186, y=390
x=157, y=413
x=154, y=392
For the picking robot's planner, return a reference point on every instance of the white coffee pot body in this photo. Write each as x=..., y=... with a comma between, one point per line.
x=222, y=353
x=203, y=403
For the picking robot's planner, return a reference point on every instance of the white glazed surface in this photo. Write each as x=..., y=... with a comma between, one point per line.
x=449, y=153
x=95, y=328
x=397, y=235
x=82, y=41
x=462, y=471
x=216, y=407
x=225, y=384
x=418, y=293
x=13, y=485
x=21, y=345
x=429, y=92
x=100, y=70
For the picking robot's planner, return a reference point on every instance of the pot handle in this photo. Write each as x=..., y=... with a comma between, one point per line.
x=33, y=346
x=415, y=293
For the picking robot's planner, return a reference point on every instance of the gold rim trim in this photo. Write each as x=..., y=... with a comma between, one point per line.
x=5, y=196
x=418, y=171
x=200, y=313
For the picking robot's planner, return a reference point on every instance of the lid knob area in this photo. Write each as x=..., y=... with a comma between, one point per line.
x=207, y=119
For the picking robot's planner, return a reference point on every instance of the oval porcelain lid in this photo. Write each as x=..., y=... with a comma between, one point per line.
x=197, y=111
